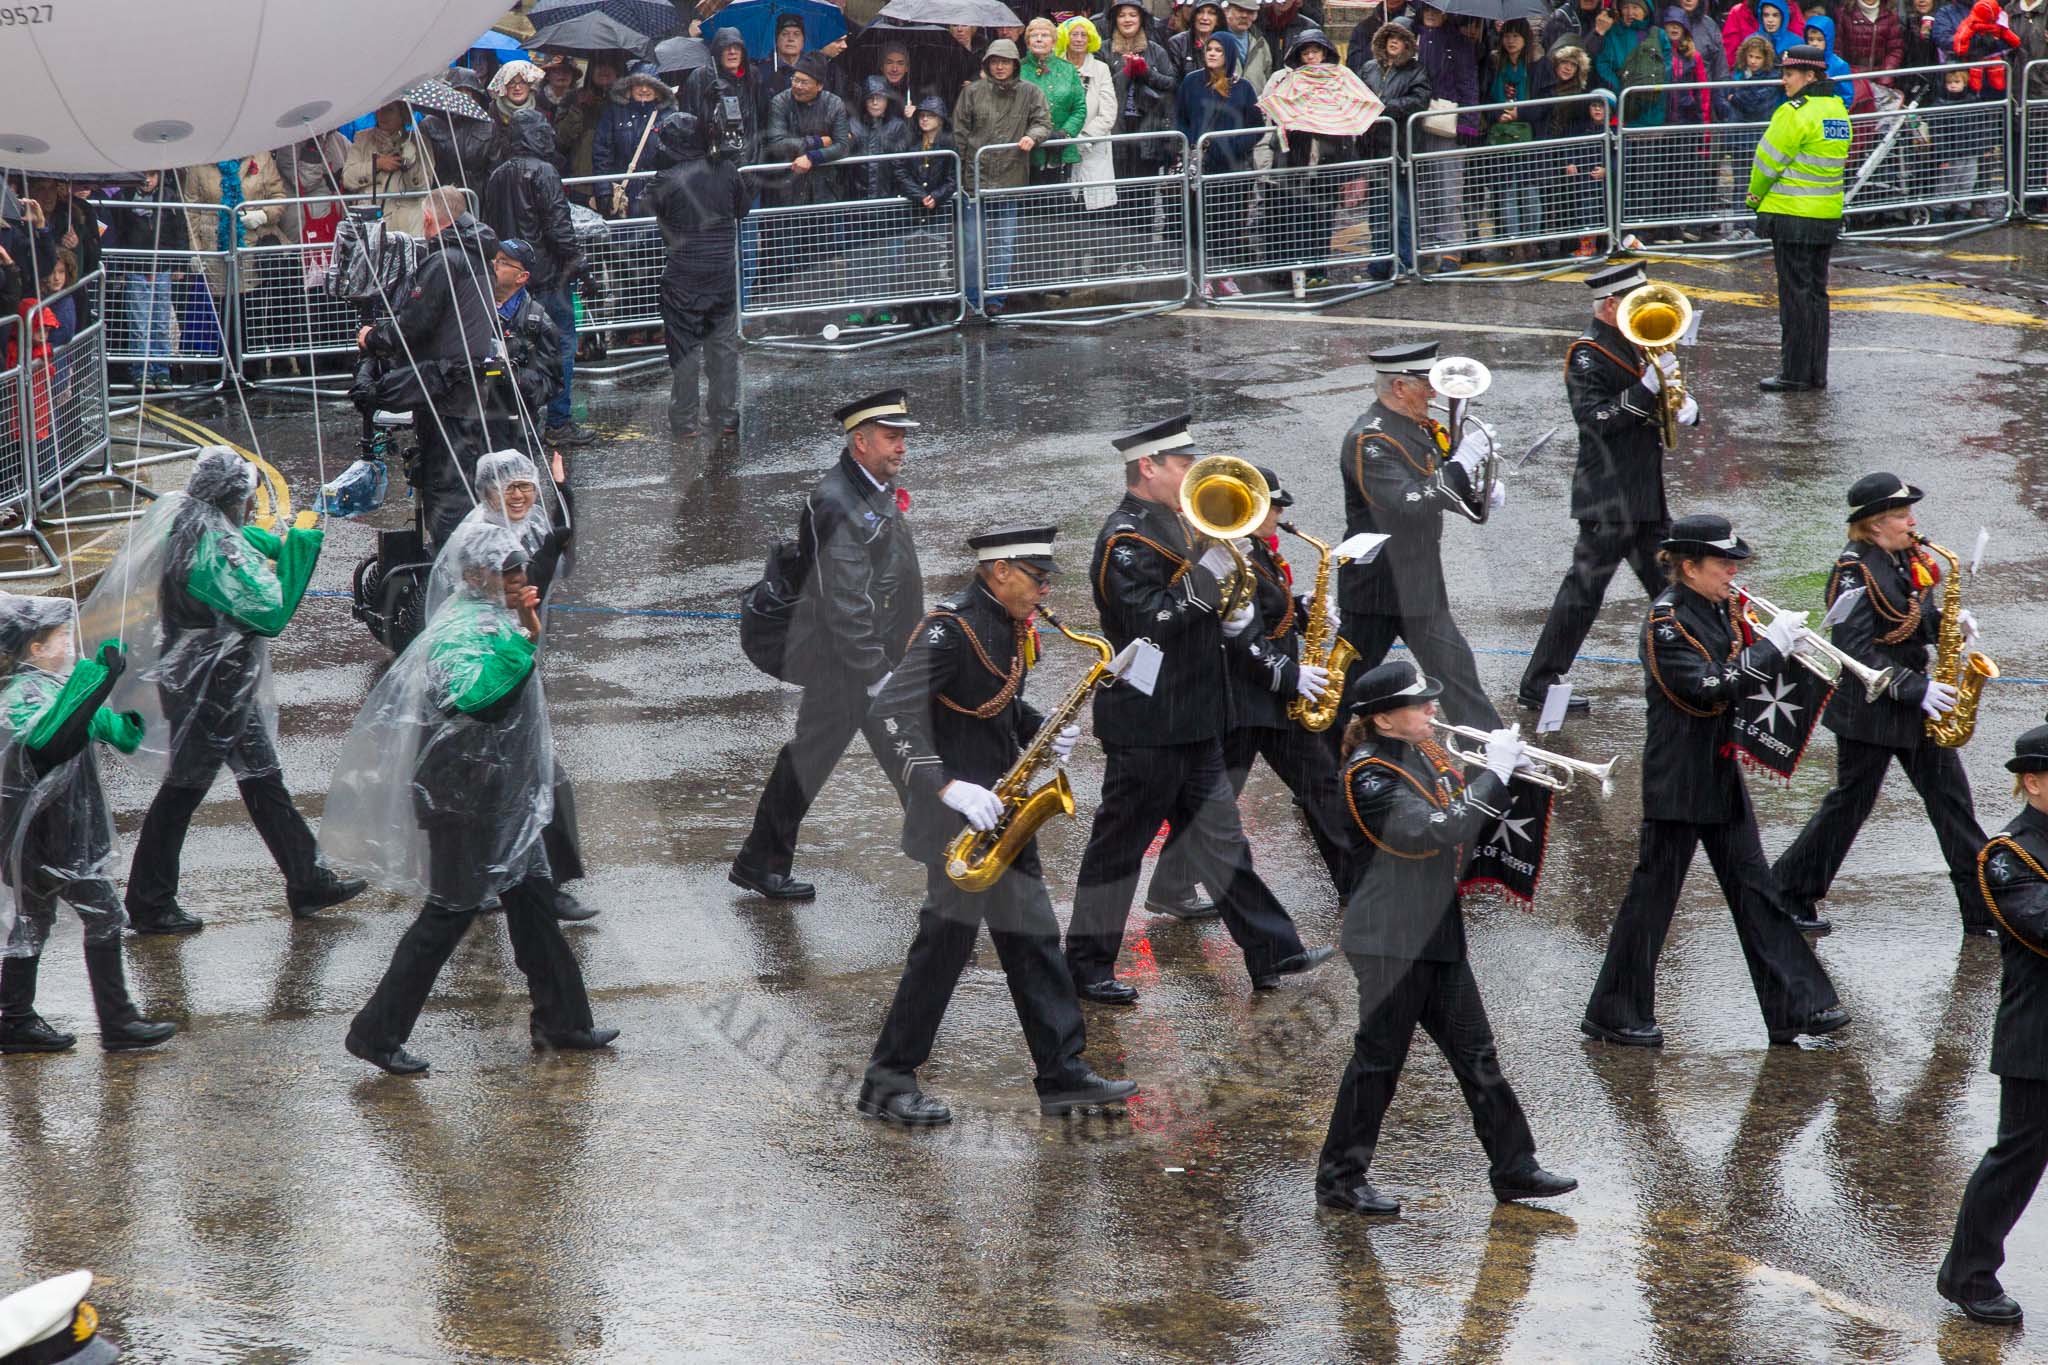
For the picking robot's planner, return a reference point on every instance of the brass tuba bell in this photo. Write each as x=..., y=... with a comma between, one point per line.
x=1224, y=497
x=1653, y=317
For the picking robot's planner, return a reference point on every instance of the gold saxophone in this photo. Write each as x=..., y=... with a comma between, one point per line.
x=976, y=858
x=1321, y=646
x=1966, y=670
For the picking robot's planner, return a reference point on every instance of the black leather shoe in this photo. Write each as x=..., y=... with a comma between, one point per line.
x=1807, y=920
x=774, y=885
x=729, y=427
x=569, y=910
x=1293, y=966
x=134, y=1034
x=329, y=890
x=1358, y=1198
x=1534, y=1183
x=1626, y=1037
x=1575, y=705
x=33, y=1034
x=2000, y=1310
x=1779, y=384
x=1089, y=1092
x=1194, y=905
x=398, y=1061
x=910, y=1108
x=172, y=919
x=1107, y=992
x=1827, y=1021
x=581, y=1040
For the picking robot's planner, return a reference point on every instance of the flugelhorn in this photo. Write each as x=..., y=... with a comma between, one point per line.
x=1820, y=657
x=1553, y=770
x=1460, y=379
x=1224, y=497
x=1653, y=317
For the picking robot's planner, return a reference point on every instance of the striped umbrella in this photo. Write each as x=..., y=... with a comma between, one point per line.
x=1327, y=99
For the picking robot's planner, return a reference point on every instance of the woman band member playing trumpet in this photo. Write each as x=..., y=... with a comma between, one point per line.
x=1696, y=655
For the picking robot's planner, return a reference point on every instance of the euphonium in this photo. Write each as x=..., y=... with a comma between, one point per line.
x=1224, y=497
x=976, y=858
x=1964, y=669
x=1460, y=379
x=1321, y=646
x=1653, y=317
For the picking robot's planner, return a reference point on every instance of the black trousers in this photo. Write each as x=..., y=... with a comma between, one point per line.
x=447, y=469
x=1601, y=549
x=553, y=979
x=1999, y=1190
x=1394, y=995
x=1027, y=939
x=1308, y=765
x=1791, y=985
x=153, y=875
x=826, y=721
x=1803, y=309
x=1807, y=869
x=1440, y=651
x=1186, y=785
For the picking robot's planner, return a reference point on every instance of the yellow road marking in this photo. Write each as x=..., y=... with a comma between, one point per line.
x=273, y=494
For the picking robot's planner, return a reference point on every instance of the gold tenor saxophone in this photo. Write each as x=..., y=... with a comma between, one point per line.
x=1966, y=670
x=1321, y=646
x=976, y=858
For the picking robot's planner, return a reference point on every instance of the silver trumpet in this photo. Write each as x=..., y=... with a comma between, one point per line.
x=1553, y=770
x=1819, y=656
x=1460, y=379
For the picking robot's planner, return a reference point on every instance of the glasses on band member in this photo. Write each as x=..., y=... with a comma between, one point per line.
x=1038, y=577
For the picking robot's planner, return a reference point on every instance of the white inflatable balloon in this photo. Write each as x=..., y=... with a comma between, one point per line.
x=140, y=85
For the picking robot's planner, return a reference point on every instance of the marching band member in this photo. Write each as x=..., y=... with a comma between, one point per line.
x=1400, y=475
x=1893, y=624
x=1404, y=932
x=1163, y=753
x=1695, y=657
x=1618, y=485
x=956, y=719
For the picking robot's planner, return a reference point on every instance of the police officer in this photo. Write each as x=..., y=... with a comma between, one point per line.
x=1267, y=672
x=1154, y=579
x=2015, y=891
x=1404, y=932
x=1795, y=186
x=861, y=597
x=1400, y=476
x=1890, y=627
x=956, y=717
x=1695, y=656
x=1618, y=486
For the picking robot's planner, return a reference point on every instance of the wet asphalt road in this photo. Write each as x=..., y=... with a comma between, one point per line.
x=251, y=1193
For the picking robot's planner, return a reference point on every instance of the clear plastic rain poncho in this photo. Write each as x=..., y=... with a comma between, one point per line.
x=55, y=828
x=446, y=779
x=196, y=596
x=496, y=475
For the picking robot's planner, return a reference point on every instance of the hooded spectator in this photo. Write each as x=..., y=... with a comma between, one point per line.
x=1578, y=173
x=1396, y=75
x=625, y=131
x=1776, y=26
x=1636, y=54
x=1358, y=52
x=726, y=98
x=1185, y=47
x=385, y=160
x=1980, y=37
x=1820, y=33
x=1705, y=26
x=1214, y=100
x=1066, y=100
x=999, y=109
x=523, y=201
x=1687, y=68
x=879, y=129
x=1143, y=71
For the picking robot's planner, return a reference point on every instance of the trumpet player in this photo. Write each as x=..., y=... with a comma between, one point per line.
x=955, y=718
x=1404, y=933
x=1401, y=475
x=1618, y=484
x=1696, y=655
x=1892, y=626
x=1267, y=672
x=1155, y=579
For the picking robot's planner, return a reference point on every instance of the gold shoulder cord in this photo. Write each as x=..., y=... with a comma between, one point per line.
x=1287, y=618
x=1984, y=885
x=1351, y=800
x=1734, y=645
x=1181, y=562
x=1635, y=371
x=1358, y=459
x=1906, y=622
x=1012, y=680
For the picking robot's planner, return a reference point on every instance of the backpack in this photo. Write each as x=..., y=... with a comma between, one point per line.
x=768, y=606
x=1644, y=66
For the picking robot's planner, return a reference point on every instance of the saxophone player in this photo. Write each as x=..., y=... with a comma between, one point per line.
x=1267, y=671
x=954, y=719
x=1894, y=624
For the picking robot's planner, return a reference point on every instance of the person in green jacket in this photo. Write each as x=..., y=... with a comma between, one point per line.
x=1795, y=186
x=1065, y=96
x=56, y=834
x=1635, y=53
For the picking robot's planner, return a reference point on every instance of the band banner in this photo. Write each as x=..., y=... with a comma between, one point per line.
x=1775, y=719
x=1509, y=854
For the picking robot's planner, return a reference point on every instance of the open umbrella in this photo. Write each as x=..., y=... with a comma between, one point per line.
x=676, y=56
x=1326, y=99
x=443, y=98
x=589, y=33
x=499, y=43
x=1535, y=11
x=649, y=18
x=980, y=13
x=938, y=64
x=755, y=19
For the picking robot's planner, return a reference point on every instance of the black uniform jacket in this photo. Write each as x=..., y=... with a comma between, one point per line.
x=1265, y=660
x=1148, y=584
x=2011, y=872
x=1420, y=821
x=1390, y=469
x=1620, y=475
x=1695, y=667
x=1893, y=624
x=954, y=710
x=865, y=590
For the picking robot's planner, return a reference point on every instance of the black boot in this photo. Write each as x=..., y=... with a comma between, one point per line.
x=122, y=1027
x=21, y=1028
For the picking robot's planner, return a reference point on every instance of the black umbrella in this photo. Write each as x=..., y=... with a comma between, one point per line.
x=648, y=18
x=443, y=98
x=589, y=33
x=1535, y=11
x=677, y=56
x=938, y=64
x=980, y=13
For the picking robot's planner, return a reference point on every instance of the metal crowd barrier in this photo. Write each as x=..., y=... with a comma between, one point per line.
x=2031, y=191
x=876, y=265
x=71, y=437
x=1545, y=200
x=625, y=259
x=1303, y=236
x=17, y=489
x=1128, y=233
x=169, y=314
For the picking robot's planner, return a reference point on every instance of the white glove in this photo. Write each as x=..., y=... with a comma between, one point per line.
x=1475, y=445
x=1063, y=743
x=1689, y=412
x=1939, y=699
x=878, y=684
x=1653, y=377
x=1968, y=621
x=1503, y=751
x=1216, y=559
x=1784, y=631
x=1240, y=621
x=1498, y=497
x=982, y=807
x=1312, y=682
x=255, y=218
x=1330, y=608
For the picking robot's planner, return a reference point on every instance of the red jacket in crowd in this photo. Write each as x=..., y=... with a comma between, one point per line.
x=1870, y=44
x=1983, y=35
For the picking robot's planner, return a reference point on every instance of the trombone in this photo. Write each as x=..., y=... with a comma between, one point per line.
x=1553, y=770
x=1224, y=498
x=1460, y=379
x=1820, y=657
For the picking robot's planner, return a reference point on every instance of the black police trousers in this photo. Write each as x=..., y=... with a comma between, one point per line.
x=1999, y=1191
x=1305, y=761
x=827, y=719
x=1601, y=549
x=1807, y=869
x=1395, y=995
x=1027, y=939
x=1803, y=310
x=1441, y=652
